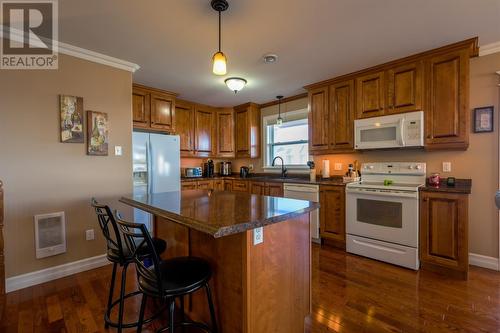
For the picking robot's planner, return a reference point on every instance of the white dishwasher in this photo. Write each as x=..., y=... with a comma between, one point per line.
x=307, y=192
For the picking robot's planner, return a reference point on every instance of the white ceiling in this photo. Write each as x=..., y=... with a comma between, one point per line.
x=173, y=41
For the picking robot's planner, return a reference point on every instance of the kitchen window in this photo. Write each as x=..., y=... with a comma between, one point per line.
x=288, y=140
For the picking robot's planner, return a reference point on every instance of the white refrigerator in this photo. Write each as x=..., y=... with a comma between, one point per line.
x=156, y=166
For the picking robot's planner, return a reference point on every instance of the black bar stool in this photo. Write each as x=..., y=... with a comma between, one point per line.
x=118, y=253
x=167, y=279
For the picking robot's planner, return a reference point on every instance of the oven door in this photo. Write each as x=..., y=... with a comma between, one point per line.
x=390, y=216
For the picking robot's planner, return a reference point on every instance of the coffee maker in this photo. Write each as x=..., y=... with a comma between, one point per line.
x=208, y=169
x=225, y=168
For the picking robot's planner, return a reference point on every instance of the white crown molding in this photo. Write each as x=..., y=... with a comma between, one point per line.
x=489, y=49
x=53, y=273
x=483, y=261
x=79, y=52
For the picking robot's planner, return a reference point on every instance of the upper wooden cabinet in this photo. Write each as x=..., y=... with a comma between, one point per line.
x=341, y=119
x=204, y=131
x=225, y=132
x=404, y=89
x=435, y=82
x=370, y=96
x=153, y=109
x=318, y=119
x=184, y=126
x=447, y=117
x=443, y=232
x=247, y=130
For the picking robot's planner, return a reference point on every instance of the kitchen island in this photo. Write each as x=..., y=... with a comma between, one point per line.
x=260, y=284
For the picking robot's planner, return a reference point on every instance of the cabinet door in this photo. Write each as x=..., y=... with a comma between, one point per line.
x=184, y=127
x=341, y=119
x=274, y=189
x=258, y=188
x=188, y=185
x=225, y=133
x=204, y=131
x=443, y=231
x=242, y=133
x=204, y=185
x=240, y=186
x=228, y=185
x=140, y=108
x=162, y=111
x=332, y=212
x=218, y=184
x=318, y=119
x=447, y=117
x=405, y=88
x=370, y=96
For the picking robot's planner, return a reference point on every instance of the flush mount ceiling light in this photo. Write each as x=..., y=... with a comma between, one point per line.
x=235, y=83
x=279, y=121
x=219, y=58
x=270, y=58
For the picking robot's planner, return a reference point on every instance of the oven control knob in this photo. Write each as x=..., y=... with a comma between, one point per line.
x=410, y=167
x=418, y=167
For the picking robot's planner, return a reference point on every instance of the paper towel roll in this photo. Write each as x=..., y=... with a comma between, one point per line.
x=325, y=172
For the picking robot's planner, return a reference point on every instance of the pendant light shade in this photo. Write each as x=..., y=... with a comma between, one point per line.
x=219, y=59
x=279, y=121
x=235, y=83
x=219, y=64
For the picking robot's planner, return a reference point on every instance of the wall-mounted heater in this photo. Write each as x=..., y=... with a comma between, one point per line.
x=50, y=234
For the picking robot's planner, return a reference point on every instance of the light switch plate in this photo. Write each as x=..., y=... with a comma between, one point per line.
x=118, y=151
x=258, y=235
x=89, y=234
x=338, y=166
x=446, y=166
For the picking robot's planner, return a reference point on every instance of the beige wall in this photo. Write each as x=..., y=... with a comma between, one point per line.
x=40, y=174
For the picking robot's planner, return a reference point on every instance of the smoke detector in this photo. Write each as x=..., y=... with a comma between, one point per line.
x=270, y=58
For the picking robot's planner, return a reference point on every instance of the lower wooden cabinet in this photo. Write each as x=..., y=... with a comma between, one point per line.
x=188, y=185
x=228, y=185
x=265, y=188
x=204, y=185
x=332, y=214
x=444, y=233
x=258, y=188
x=218, y=184
x=240, y=186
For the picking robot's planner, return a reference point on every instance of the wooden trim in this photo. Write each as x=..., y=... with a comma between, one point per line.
x=151, y=89
x=471, y=43
x=246, y=105
x=2, y=257
x=489, y=49
x=284, y=100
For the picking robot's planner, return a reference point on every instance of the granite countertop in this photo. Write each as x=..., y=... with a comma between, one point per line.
x=461, y=186
x=296, y=179
x=219, y=213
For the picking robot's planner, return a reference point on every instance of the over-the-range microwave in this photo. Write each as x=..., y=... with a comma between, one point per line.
x=394, y=131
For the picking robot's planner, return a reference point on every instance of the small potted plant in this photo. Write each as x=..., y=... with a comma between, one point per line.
x=312, y=170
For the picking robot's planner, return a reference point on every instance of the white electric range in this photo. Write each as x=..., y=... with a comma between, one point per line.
x=382, y=214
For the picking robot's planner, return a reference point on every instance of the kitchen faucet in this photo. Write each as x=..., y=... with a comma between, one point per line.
x=284, y=171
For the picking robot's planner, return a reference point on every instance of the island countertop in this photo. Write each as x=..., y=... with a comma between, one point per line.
x=219, y=213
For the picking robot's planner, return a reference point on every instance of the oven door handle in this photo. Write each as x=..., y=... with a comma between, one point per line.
x=379, y=247
x=397, y=194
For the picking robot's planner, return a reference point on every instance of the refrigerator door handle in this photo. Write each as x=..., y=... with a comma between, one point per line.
x=149, y=157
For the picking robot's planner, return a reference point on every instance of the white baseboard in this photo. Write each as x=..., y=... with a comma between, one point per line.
x=483, y=261
x=53, y=273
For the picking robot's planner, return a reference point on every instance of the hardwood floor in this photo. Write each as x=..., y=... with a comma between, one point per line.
x=350, y=294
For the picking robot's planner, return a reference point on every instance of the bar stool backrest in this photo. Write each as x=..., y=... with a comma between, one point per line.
x=108, y=227
x=141, y=246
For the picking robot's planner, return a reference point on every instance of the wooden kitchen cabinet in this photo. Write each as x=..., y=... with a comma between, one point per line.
x=258, y=188
x=153, y=109
x=188, y=185
x=247, y=130
x=443, y=233
x=318, y=119
x=370, y=95
x=274, y=189
x=341, y=116
x=184, y=126
x=332, y=214
x=218, y=184
x=240, y=186
x=405, y=88
x=204, y=129
x=225, y=133
x=204, y=185
x=447, y=115
x=228, y=185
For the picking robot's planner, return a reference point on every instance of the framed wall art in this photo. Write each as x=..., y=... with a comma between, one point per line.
x=97, y=133
x=71, y=119
x=483, y=119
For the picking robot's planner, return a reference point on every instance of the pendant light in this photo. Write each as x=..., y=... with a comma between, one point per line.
x=279, y=121
x=219, y=59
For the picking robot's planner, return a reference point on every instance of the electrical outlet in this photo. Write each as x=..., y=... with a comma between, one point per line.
x=250, y=167
x=258, y=235
x=89, y=234
x=338, y=166
x=118, y=151
x=446, y=166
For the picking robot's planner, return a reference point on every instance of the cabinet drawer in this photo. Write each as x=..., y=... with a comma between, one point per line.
x=188, y=186
x=204, y=185
x=240, y=186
